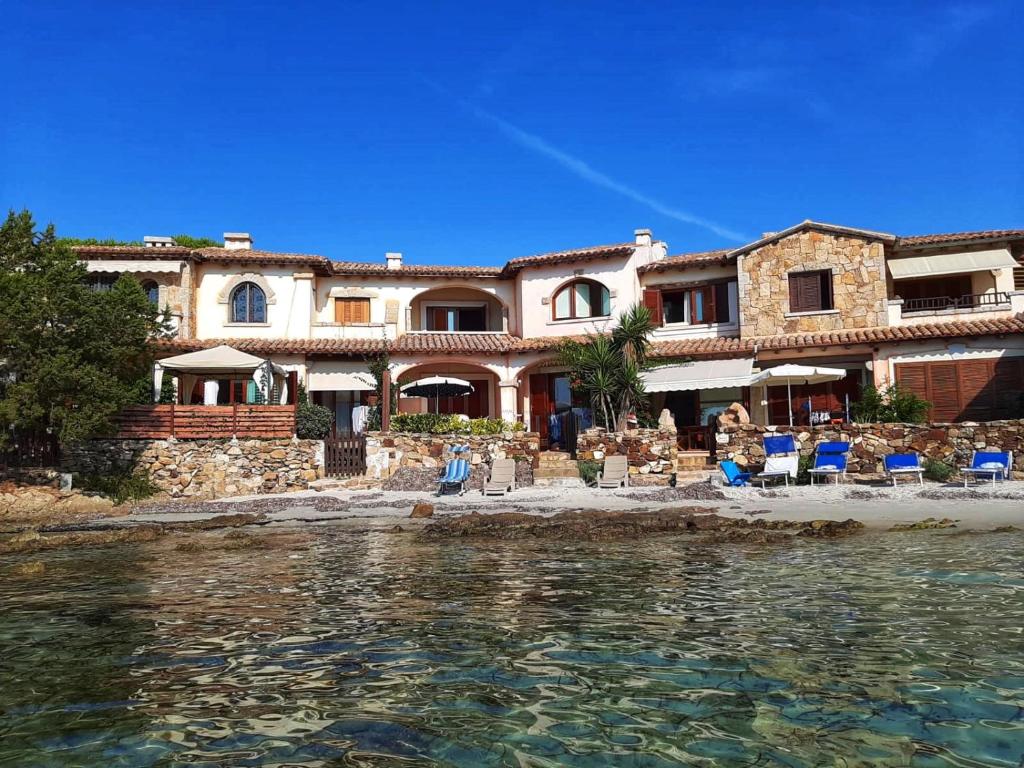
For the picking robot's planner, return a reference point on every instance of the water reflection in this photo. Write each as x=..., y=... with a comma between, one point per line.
x=373, y=649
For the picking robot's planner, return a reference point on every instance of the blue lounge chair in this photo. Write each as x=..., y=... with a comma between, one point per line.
x=455, y=477
x=782, y=459
x=830, y=459
x=988, y=464
x=732, y=474
x=897, y=464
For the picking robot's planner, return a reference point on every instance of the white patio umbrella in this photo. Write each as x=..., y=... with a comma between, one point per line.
x=797, y=374
x=437, y=387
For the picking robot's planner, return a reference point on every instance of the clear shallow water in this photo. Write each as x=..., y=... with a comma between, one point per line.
x=370, y=649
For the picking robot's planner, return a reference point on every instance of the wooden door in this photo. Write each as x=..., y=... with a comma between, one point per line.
x=540, y=404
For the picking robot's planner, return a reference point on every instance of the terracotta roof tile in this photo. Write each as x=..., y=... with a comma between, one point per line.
x=412, y=270
x=252, y=255
x=960, y=237
x=683, y=260
x=500, y=343
x=577, y=254
x=133, y=251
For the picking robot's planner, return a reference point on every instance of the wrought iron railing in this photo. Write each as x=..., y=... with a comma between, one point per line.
x=967, y=301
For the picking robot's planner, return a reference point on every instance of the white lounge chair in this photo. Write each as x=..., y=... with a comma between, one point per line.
x=501, y=479
x=615, y=473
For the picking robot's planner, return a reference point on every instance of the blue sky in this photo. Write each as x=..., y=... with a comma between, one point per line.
x=472, y=133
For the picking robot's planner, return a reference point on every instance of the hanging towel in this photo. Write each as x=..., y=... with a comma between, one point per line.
x=210, y=390
x=360, y=414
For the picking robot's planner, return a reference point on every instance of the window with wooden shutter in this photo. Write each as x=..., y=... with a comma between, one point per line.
x=652, y=300
x=351, y=311
x=967, y=390
x=721, y=313
x=810, y=291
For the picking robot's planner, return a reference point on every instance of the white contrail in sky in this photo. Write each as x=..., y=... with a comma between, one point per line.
x=584, y=171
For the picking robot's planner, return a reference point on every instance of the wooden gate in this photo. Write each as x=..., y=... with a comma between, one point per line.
x=345, y=456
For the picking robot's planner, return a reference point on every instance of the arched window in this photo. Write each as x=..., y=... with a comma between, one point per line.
x=580, y=299
x=248, y=304
x=152, y=291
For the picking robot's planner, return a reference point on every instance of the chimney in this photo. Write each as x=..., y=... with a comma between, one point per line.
x=643, y=236
x=156, y=241
x=394, y=260
x=237, y=241
x=766, y=235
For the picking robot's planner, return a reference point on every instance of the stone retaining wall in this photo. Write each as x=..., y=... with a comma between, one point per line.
x=951, y=443
x=205, y=468
x=387, y=452
x=649, y=451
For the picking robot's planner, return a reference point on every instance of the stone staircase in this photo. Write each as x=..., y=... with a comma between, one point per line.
x=694, y=467
x=556, y=469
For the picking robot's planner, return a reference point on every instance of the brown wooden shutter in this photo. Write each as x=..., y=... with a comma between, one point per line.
x=350, y=311
x=976, y=398
x=360, y=310
x=652, y=300
x=805, y=292
x=943, y=381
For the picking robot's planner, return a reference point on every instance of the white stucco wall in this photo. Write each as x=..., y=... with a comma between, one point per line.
x=286, y=305
x=535, y=285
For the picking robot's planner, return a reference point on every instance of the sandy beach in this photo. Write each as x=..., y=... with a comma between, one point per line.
x=978, y=507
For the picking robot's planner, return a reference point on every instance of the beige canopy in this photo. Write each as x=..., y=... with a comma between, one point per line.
x=214, y=361
x=950, y=264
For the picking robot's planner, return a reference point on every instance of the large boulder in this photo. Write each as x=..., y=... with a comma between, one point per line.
x=733, y=415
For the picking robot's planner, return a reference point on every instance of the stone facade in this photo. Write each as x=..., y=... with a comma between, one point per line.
x=387, y=452
x=951, y=443
x=205, y=468
x=858, y=284
x=650, y=451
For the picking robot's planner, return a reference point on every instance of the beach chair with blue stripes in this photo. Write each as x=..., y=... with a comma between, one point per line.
x=455, y=476
x=830, y=460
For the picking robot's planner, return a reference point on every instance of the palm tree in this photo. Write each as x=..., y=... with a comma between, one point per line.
x=607, y=369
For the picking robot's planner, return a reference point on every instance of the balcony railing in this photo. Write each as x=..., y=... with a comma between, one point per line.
x=967, y=301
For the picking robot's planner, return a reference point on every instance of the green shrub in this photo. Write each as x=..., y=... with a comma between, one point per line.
x=589, y=469
x=119, y=487
x=449, y=424
x=890, y=404
x=937, y=470
x=312, y=422
x=803, y=474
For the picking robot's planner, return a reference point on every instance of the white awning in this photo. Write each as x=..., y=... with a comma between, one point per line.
x=340, y=376
x=950, y=264
x=702, y=374
x=127, y=265
x=216, y=360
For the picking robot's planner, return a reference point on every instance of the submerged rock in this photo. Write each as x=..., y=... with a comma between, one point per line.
x=929, y=523
x=423, y=509
x=604, y=525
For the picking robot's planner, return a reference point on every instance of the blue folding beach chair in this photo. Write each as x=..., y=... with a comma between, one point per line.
x=830, y=460
x=454, y=477
x=994, y=465
x=782, y=459
x=733, y=476
x=897, y=464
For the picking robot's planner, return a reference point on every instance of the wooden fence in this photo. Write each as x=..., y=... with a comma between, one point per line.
x=197, y=422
